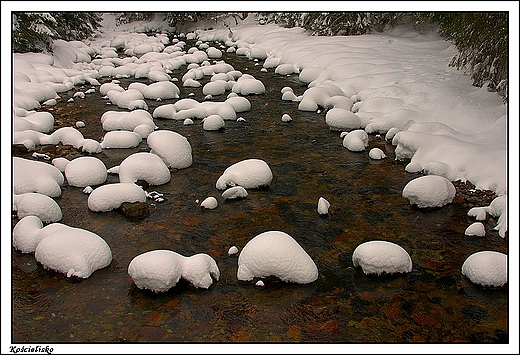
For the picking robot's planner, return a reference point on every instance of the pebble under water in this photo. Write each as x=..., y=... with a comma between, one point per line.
x=434, y=303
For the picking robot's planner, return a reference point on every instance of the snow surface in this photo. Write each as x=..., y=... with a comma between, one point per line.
x=248, y=173
x=378, y=257
x=429, y=191
x=160, y=270
x=486, y=268
x=275, y=253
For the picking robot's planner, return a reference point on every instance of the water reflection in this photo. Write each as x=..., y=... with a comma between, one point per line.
x=433, y=303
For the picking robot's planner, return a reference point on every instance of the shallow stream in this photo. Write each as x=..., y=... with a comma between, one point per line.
x=434, y=303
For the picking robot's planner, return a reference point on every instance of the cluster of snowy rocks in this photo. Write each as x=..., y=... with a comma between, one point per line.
x=38, y=80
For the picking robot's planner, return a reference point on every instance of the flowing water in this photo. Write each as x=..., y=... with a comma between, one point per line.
x=434, y=303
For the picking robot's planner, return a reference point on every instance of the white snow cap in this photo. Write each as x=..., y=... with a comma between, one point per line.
x=72, y=251
x=209, y=203
x=323, y=206
x=286, y=118
x=35, y=204
x=356, y=141
x=213, y=123
x=160, y=270
x=486, y=268
x=35, y=176
x=172, y=147
x=429, y=191
x=85, y=171
x=275, y=253
x=144, y=166
x=248, y=173
x=26, y=234
x=121, y=139
x=232, y=250
x=340, y=119
x=497, y=208
x=378, y=257
x=235, y=192
x=476, y=229
x=376, y=154
x=110, y=197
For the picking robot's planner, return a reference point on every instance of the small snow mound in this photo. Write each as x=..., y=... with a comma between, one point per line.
x=378, y=257
x=85, y=171
x=323, y=206
x=248, y=173
x=209, y=203
x=275, y=253
x=235, y=192
x=356, y=141
x=476, y=229
x=429, y=191
x=232, y=250
x=486, y=268
x=110, y=197
x=172, y=147
x=144, y=166
x=286, y=118
x=376, y=154
x=35, y=204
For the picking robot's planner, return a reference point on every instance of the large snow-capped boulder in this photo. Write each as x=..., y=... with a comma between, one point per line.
x=85, y=171
x=126, y=121
x=275, y=253
x=429, y=191
x=162, y=90
x=36, y=176
x=110, y=197
x=248, y=173
x=173, y=148
x=73, y=251
x=486, y=268
x=356, y=141
x=379, y=256
x=35, y=204
x=160, y=270
x=144, y=166
x=36, y=121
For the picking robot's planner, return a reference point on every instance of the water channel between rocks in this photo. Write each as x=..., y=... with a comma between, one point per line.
x=434, y=303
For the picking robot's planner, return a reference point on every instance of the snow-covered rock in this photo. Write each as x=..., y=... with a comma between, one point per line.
x=376, y=154
x=429, y=191
x=26, y=234
x=340, y=119
x=356, y=141
x=85, y=171
x=248, y=173
x=39, y=205
x=476, y=229
x=239, y=103
x=232, y=250
x=235, y=192
x=275, y=253
x=213, y=123
x=323, y=206
x=209, y=203
x=121, y=139
x=144, y=166
x=160, y=270
x=173, y=148
x=110, y=197
x=486, y=268
x=35, y=176
x=286, y=118
x=126, y=121
x=72, y=251
x=248, y=85
x=378, y=257
x=60, y=163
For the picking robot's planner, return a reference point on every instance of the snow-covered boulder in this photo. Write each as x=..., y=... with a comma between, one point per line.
x=248, y=85
x=144, y=166
x=476, y=229
x=162, y=90
x=248, y=173
x=91, y=146
x=486, y=268
x=123, y=99
x=126, y=121
x=35, y=176
x=213, y=123
x=110, y=197
x=239, y=103
x=356, y=141
x=340, y=119
x=173, y=148
x=160, y=270
x=323, y=206
x=286, y=69
x=286, y=118
x=275, y=253
x=26, y=234
x=35, y=204
x=37, y=121
x=376, y=154
x=164, y=111
x=209, y=203
x=72, y=251
x=60, y=163
x=429, y=191
x=235, y=192
x=121, y=139
x=317, y=96
x=378, y=257
x=85, y=171
x=497, y=208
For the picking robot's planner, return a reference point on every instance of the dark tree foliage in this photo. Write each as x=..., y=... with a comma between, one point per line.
x=35, y=31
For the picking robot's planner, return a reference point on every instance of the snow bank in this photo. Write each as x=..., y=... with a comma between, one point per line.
x=249, y=173
x=429, y=191
x=110, y=197
x=378, y=257
x=160, y=270
x=276, y=253
x=486, y=268
x=173, y=148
